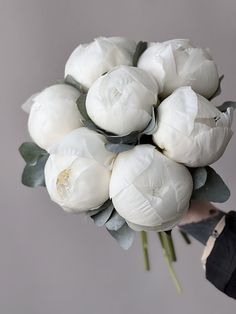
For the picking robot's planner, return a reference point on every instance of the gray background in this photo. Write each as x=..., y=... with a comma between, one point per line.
x=53, y=262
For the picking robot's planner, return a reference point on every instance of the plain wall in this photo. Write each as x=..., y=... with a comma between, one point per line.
x=52, y=262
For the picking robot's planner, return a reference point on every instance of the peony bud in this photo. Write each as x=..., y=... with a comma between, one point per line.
x=78, y=170
x=89, y=61
x=53, y=114
x=121, y=101
x=176, y=63
x=191, y=130
x=149, y=190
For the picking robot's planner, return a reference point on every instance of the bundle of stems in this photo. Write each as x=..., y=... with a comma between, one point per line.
x=169, y=254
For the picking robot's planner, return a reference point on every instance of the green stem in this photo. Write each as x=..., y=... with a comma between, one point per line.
x=169, y=262
x=173, y=274
x=169, y=245
x=185, y=237
x=144, y=240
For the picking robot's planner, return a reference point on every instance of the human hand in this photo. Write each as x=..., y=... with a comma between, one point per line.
x=198, y=211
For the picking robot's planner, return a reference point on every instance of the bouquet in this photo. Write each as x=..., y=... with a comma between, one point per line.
x=128, y=136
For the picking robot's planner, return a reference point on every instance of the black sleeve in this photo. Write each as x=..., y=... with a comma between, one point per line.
x=221, y=263
x=202, y=230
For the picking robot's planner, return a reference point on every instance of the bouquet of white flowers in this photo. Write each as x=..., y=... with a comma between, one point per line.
x=128, y=136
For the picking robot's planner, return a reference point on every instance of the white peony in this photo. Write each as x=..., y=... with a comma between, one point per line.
x=89, y=61
x=121, y=101
x=78, y=170
x=53, y=114
x=191, y=130
x=176, y=63
x=149, y=190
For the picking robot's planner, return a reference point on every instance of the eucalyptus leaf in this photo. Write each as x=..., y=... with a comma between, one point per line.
x=26, y=107
x=199, y=176
x=226, y=105
x=214, y=189
x=115, y=222
x=81, y=103
x=218, y=91
x=118, y=148
x=140, y=48
x=124, y=236
x=92, y=126
x=152, y=126
x=71, y=81
x=99, y=209
x=33, y=174
x=31, y=152
x=103, y=215
x=130, y=138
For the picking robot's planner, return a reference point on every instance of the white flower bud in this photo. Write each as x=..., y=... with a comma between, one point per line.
x=121, y=101
x=191, y=130
x=149, y=190
x=89, y=61
x=176, y=63
x=53, y=114
x=78, y=170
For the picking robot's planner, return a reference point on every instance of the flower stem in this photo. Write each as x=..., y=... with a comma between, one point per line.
x=169, y=245
x=185, y=237
x=169, y=262
x=144, y=240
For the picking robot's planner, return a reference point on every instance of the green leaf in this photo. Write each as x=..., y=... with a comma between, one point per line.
x=124, y=236
x=214, y=189
x=199, y=176
x=33, y=174
x=226, y=105
x=140, y=48
x=118, y=148
x=81, y=103
x=218, y=91
x=71, y=81
x=152, y=126
x=115, y=222
x=105, y=211
x=31, y=152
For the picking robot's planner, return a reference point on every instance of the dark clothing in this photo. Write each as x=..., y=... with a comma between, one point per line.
x=202, y=230
x=221, y=263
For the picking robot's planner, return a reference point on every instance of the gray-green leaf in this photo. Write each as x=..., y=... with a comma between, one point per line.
x=130, y=138
x=81, y=103
x=124, y=236
x=115, y=222
x=226, y=105
x=199, y=176
x=71, y=81
x=140, y=48
x=118, y=148
x=152, y=126
x=103, y=215
x=33, y=174
x=31, y=152
x=214, y=189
